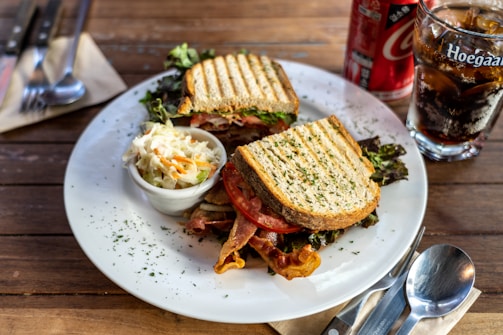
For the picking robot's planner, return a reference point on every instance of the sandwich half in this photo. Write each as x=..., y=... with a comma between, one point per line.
x=313, y=176
x=239, y=91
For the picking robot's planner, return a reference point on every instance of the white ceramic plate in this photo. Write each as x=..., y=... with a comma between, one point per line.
x=149, y=255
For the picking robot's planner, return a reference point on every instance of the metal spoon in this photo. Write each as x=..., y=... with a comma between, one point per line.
x=69, y=89
x=438, y=282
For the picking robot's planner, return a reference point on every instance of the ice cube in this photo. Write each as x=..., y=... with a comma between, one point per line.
x=487, y=25
x=436, y=30
x=470, y=20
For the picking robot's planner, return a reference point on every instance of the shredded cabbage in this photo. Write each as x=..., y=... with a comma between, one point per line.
x=169, y=158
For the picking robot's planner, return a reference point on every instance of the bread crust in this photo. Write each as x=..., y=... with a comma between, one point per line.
x=259, y=178
x=287, y=85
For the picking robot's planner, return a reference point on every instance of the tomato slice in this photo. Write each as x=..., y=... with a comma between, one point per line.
x=279, y=127
x=250, y=206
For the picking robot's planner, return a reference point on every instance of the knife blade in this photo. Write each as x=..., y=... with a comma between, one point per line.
x=8, y=61
x=387, y=311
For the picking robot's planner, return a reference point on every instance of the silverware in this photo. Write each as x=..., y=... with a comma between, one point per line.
x=387, y=311
x=343, y=322
x=8, y=61
x=69, y=89
x=38, y=81
x=438, y=282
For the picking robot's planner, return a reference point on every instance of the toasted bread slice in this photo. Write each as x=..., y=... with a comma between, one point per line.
x=314, y=175
x=228, y=84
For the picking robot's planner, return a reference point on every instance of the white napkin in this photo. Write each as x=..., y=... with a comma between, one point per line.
x=316, y=323
x=101, y=80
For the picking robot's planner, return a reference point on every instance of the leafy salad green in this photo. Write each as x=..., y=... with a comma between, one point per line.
x=162, y=103
x=386, y=160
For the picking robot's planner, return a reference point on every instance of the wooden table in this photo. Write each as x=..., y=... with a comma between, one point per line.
x=48, y=286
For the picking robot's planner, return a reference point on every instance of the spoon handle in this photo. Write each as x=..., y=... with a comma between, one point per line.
x=82, y=13
x=409, y=323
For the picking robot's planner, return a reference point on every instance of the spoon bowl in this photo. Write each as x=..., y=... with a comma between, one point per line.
x=67, y=90
x=438, y=282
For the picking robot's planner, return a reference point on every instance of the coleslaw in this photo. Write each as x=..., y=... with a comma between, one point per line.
x=170, y=158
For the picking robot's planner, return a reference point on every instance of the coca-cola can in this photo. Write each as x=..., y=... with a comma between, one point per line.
x=379, y=47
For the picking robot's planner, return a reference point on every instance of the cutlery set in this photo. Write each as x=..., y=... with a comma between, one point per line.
x=437, y=282
x=38, y=92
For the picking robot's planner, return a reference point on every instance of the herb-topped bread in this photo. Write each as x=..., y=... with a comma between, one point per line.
x=238, y=84
x=314, y=175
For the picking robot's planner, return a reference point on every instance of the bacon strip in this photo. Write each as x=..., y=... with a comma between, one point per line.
x=217, y=195
x=229, y=258
x=201, y=221
x=298, y=263
x=196, y=225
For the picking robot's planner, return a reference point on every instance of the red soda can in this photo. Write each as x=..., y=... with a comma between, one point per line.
x=379, y=47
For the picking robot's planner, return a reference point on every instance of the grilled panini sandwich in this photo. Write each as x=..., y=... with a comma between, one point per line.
x=313, y=175
x=244, y=91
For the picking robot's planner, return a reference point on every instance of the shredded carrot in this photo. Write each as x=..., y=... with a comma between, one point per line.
x=168, y=164
x=193, y=161
x=205, y=164
x=183, y=159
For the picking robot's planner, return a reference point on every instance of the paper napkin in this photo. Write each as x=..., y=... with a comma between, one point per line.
x=101, y=80
x=315, y=324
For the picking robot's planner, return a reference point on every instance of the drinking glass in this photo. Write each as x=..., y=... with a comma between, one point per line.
x=458, y=76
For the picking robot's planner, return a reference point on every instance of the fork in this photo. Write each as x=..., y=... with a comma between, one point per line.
x=343, y=322
x=32, y=94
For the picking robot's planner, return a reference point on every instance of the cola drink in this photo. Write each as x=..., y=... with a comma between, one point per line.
x=458, y=87
x=379, y=47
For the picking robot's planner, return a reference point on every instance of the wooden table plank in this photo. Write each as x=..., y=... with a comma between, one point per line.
x=43, y=214
x=485, y=323
x=484, y=169
x=48, y=265
x=33, y=164
x=148, y=59
x=446, y=212
x=148, y=9
x=125, y=315
x=23, y=315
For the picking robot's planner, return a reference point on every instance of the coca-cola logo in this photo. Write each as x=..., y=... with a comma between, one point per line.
x=399, y=44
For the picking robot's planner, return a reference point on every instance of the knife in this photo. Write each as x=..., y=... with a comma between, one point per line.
x=50, y=21
x=387, y=310
x=24, y=17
